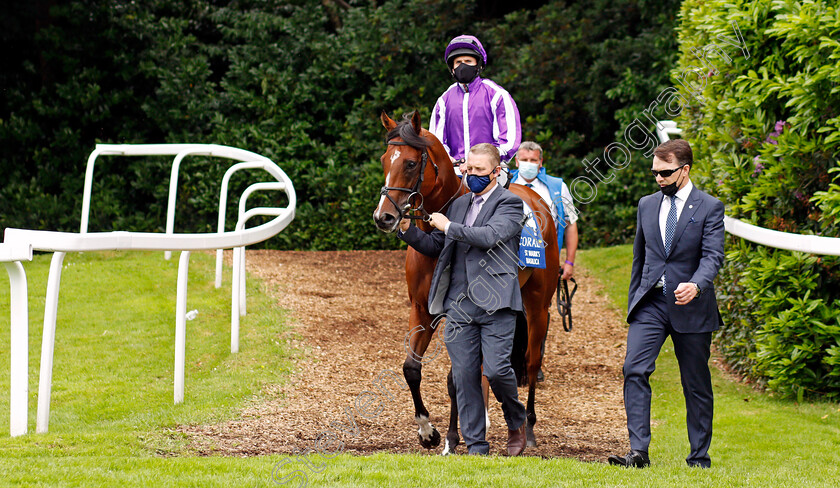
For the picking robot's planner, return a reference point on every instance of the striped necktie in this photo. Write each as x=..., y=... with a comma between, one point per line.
x=670, y=226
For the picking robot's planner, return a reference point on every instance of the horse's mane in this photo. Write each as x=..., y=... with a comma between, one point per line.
x=405, y=131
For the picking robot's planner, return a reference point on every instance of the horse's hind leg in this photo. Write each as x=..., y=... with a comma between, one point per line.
x=485, y=390
x=518, y=356
x=452, y=437
x=417, y=342
x=537, y=324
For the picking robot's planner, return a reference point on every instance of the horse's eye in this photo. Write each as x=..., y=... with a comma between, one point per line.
x=410, y=164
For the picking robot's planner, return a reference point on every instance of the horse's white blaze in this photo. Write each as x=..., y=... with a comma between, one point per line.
x=395, y=156
x=382, y=198
x=426, y=427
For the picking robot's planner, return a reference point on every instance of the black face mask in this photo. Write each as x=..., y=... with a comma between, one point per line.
x=465, y=73
x=671, y=189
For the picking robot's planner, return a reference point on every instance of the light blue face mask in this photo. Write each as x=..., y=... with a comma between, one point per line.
x=528, y=170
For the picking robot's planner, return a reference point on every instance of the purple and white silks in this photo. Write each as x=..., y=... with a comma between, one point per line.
x=485, y=113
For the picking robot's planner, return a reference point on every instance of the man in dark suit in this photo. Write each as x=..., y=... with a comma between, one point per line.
x=676, y=255
x=475, y=283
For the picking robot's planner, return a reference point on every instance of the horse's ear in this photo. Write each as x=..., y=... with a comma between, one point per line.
x=387, y=122
x=415, y=122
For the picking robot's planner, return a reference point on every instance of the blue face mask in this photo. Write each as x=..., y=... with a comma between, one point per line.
x=477, y=183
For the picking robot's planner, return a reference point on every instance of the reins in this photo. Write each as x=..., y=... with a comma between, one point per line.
x=407, y=210
x=564, y=304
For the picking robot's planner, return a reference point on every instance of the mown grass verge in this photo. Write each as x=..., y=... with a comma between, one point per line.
x=112, y=411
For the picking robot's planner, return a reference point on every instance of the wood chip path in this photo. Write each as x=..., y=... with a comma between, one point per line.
x=350, y=312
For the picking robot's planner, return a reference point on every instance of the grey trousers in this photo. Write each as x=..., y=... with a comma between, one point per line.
x=487, y=340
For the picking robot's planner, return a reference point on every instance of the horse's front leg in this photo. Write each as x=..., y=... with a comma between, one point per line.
x=416, y=343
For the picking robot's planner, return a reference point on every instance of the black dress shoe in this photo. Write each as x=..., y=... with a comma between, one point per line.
x=633, y=459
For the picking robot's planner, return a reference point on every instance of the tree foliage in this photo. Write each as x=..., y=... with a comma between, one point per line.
x=767, y=139
x=302, y=82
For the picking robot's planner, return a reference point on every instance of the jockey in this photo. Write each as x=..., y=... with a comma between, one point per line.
x=474, y=110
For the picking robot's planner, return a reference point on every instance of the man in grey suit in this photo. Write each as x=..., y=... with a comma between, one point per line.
x=676, y=255
x=475, y=283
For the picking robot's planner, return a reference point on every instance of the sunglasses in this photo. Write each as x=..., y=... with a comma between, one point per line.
x=665, y=172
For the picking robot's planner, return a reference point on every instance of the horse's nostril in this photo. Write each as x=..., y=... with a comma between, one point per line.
x=387, y=219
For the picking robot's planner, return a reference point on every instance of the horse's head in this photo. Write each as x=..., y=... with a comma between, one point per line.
x=409, y=172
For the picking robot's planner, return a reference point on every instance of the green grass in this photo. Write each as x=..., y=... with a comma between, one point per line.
x=611, y=267
x=112, y=409
x=112, y=397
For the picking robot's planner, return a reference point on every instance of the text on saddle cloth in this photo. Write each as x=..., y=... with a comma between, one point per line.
x=531, y=245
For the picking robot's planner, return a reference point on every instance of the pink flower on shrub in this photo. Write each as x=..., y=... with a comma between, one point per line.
x=758, y=166
x=777, y=131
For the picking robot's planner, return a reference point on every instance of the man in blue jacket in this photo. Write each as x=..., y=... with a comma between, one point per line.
x=556, y=195
x=677, y=253
x=531, y=173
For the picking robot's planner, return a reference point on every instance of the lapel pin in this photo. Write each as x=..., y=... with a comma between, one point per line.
x=691, y=206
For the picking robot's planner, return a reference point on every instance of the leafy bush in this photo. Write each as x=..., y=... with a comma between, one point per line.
x=302, y=83
x=766, y=140
x=581, y=72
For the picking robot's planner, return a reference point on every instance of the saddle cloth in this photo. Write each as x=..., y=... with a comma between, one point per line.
x=531, y=245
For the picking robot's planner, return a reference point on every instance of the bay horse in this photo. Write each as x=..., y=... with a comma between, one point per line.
x=420, y=179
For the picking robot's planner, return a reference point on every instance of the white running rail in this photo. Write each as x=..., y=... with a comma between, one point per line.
x=18, y=246
x=811, y=244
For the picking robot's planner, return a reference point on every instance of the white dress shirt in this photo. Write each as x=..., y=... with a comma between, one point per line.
x=665, y=206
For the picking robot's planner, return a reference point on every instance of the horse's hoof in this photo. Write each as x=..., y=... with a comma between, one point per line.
x=427, y=433
x=449, y=448
x=432, y=441
x=451, y=443
x=423, y=442
x=530, y=438
x=435, y=438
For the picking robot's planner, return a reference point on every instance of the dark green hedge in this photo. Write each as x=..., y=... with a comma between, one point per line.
x=766, y=136
x=302, y=82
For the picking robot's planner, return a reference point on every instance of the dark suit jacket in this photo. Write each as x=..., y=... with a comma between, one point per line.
x=492, y=258
x=696, y=256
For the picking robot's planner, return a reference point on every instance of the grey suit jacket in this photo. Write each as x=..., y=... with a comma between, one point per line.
x=696, y=256
x=493, y=255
